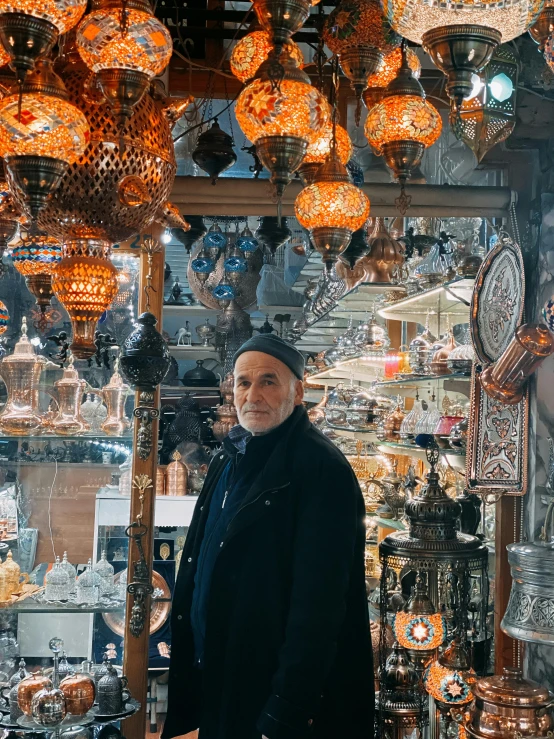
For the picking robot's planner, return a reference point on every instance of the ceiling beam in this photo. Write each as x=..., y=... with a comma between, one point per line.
x=250, y=197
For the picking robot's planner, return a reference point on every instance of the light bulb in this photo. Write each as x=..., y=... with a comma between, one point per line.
x=166, y=237
x=478, y=85
x=501, y=87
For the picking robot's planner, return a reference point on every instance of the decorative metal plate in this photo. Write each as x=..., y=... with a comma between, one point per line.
x=159, y=610
x=497, y=302
x=496, y=443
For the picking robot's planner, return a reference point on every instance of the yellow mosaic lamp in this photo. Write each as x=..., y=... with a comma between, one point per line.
x=251, y=51
x=449, y=679
x=319, y=150
x=388, y=70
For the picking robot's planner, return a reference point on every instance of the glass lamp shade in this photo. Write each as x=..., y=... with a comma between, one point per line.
x=63, y=14
x=295, y=109
x=358, y=23
x=85, y=283
x=319, y=147
x=252, y=50
x=48, y=126
x=449, y=679
x=4, y=318
x=247, y=242
x=215, y=238
x=203, y=265
x=388, y=69
x=144, y=46
x=224, y=292
x=417, y=632
x=332, y=205
x=36, y=255
x=412, y=20
x=402, y=118
x=235, y=264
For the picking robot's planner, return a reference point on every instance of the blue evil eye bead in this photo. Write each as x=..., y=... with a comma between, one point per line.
x=548, y=314
x=235, y=264
x=202, y=265
x=247, y=242
x=215, y=238
x=223, y=292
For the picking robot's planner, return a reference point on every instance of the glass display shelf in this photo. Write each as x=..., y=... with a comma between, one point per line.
x=57, y=437
x=360, y=369
x=424, y=380
x=456, y=458
x=451, y=298
x=196, y=351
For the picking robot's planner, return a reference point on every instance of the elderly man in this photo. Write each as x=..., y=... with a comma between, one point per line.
x=270, y=629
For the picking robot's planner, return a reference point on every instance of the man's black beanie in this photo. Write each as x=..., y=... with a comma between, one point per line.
x=276, y=347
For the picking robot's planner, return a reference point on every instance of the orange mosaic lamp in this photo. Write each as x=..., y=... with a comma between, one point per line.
x=388, y=69
x=331, y=208
x=360, y=35
x=281, y=120
x=126, y=46
x=402, y=126
x=251, y=51
x=29, y=29
x=449, y=679
x=319, y=150
x=85, y=283
x=35, y=258
x=40, y=140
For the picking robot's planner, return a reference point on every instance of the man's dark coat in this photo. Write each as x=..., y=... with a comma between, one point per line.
x=288, y=648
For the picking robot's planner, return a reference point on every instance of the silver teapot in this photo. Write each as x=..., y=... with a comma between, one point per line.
x=528, y=616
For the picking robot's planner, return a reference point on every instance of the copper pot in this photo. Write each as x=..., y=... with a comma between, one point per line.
x=79, y=692
x=226, y=419
x=385, y=253
x=392, y=424
x=176, y=476
x=28, y=687
x=508, y=706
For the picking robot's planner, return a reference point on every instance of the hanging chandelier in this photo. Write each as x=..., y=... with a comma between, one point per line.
x=450, y=678
x=214, y=151
x=358, y=33
x=251, y=51
x=331, y=208
x=461, y=37
x=125, y=45
x=85, y=283
x=41, y=134
x=489, y=116
x=30, y=28
x=402, y=126
x=281, y=118
x=35, y=257
x=282, y=18
x=387, y=71
x=319, y=150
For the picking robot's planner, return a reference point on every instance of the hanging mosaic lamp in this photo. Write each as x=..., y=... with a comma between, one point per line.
x=282, y=18
x=543, y=27
x=29, y=29
x=214, y=151
x=319, y=150
x=402, y=126
x=10, y=217
x=40, y=143
x=388, y=69
x=125, y=45
x=331, y=208
x=281, y=119
x=419, y=628
x=251, y=51
x=359, y=34
x=214, y=241
x=234, y=266
x=85, y=283
x=247, y=242
x=449, y=679
x=35, y=257
x=202, y=265
x=461, y=37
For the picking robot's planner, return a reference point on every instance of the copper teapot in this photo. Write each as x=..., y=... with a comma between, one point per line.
x=70, y=390
x=114, y=395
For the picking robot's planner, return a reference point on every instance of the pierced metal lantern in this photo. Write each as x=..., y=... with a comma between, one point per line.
x=145, y=358
x=489, y=116
x=455, y=564
x=214, y=151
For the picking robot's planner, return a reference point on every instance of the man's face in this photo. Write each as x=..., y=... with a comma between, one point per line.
x=266, y=392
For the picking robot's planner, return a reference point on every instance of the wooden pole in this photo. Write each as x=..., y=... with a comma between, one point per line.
x=508, y=518
x=135, y=661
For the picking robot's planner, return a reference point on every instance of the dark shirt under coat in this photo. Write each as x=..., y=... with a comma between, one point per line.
x=287, y=652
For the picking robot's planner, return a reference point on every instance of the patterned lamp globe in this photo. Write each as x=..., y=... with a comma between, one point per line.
x=359, y=34
x=251, y=51
x=40, y=143
x=543, y=27
x=461, y=37
x=419, y=628
x=388, y=70
x=4, y=318
x=30, y=29
x=35, y=257
x=403, y=125
x=281, y=120
x=247, y=242
x=449, y=679
x=224, y=293
x=202, y=265
x=214, y=242
x=331, y=208
x=126, y=46
x=319, y=150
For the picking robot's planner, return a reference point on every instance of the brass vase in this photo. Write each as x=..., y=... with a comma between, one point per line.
x=70, y=389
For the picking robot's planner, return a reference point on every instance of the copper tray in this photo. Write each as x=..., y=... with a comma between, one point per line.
x=159, y=610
